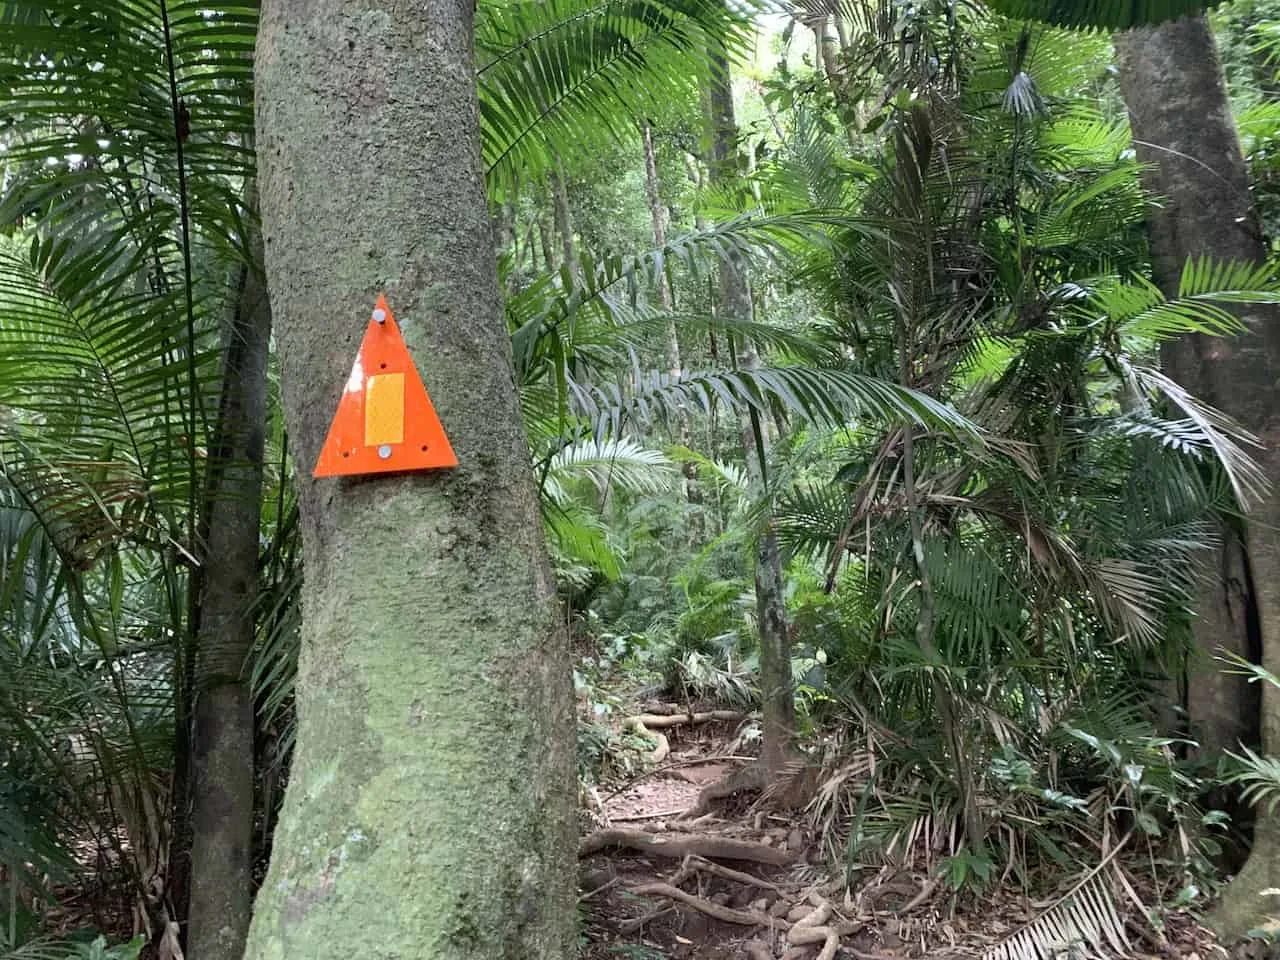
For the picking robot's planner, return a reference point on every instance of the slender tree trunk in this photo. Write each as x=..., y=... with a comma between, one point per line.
x=974, y=831
x=675, y=367
x=735, y=304
x=544, y=242
x=564, y=219
x=1184, y=132
x=430, y=808
x=222, y=808
x=504, y=227
x=830, y=48
x=658, y=218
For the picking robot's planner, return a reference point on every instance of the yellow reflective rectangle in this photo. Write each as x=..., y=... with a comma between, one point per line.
x=384, y=409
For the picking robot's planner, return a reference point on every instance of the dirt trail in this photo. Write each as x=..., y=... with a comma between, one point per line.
x=662, y=878
x=741, y=877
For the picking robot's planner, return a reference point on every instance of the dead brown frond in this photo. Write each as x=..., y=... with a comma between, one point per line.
x=1084, y=921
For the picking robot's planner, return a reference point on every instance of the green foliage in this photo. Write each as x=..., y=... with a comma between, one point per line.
x=96, y=949
x=570, y=74
x=945, y=244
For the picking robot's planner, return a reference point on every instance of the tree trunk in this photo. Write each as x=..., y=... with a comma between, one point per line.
x=1184, y=132
x=675, y=366
x=564, y=219
x=776, y=689
x=658, y=218
x=430, y=808
x=222, y=806
x=544, y=242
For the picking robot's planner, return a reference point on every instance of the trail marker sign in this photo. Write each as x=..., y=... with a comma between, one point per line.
x=385, y=421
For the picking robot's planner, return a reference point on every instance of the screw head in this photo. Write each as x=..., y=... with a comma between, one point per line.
x=380, y=315
x=384, y=451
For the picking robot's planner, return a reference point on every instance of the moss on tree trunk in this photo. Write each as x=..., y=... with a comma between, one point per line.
x=429, y=812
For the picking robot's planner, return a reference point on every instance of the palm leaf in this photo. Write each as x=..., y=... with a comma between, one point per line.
x=563, y=75
x=1084, y=918
x=811, y=394
x=619, y=462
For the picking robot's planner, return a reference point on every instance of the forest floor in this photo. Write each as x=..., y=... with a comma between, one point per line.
x=744, y=876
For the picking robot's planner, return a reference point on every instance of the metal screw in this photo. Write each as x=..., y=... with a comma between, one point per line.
x=380, y=315
x=384, y=451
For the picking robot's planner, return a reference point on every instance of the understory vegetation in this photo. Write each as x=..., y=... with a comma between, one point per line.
x=839, y=354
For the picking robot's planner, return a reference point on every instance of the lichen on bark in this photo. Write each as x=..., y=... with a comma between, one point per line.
x=430, y=809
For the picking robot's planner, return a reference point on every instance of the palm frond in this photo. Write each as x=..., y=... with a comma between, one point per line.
x=1259, y=777
x=617, y=462
x=570, y=75
x=1219, y=433
x=816, y=395
x=1084, y=918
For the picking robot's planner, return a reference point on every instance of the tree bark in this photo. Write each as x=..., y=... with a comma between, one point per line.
x=1184, y=131
x=222, y=806
x=776, y=687
x=564, y=219
x=658, y=218
x=430, y=808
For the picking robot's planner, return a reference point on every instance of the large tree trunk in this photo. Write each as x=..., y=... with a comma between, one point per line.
x=1184, y=132
x=222, y=808
x=429, y=811
x=776, y=689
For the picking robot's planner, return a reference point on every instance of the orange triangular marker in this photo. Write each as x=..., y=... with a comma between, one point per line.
x=385, y=421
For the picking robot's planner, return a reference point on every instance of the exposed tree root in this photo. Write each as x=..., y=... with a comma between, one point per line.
x=655, y=721
x=706, y=866
x=628, y=927
x=660, y=815
x=926, y=890
x=698, y=845
x=814, y=927
x=752, y=777
x=749, y=918
x=663, y=746
x=647, y=725
x=697, y=762
x=607, y=885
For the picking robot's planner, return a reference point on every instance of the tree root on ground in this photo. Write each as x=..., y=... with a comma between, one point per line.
x=628, y=927
x=648, y=724
x=706, y=866
x=698, y=845
x=657, y=721
x=808, y=922
x=749, y=918
x=811, y=929
x=663, y=746
x=752, y=777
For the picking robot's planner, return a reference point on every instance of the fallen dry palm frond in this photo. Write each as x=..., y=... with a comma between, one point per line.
x=1085, y=916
